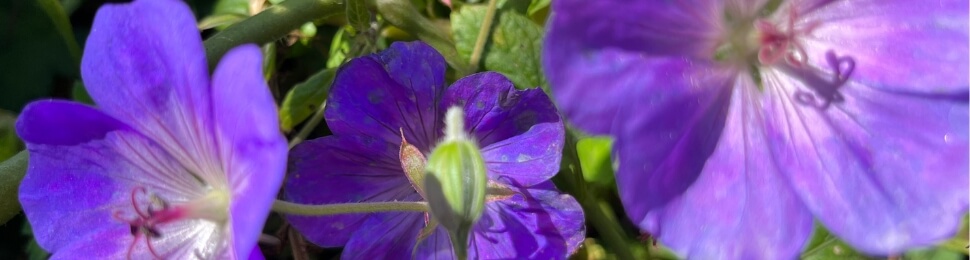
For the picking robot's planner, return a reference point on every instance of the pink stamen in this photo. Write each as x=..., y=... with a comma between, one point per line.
x=776, y=42
x=145, y=223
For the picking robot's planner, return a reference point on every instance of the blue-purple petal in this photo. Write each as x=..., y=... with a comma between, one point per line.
x=76, y=187
x=537, y=223
x=739, y=207
x=390, y=235
x=885, y=171
x=925, y=52
x=520, y=132
x=593, y=51
x=666, y=129
x=145, y=65
x=381, y=95
x=353, y=169
x=253, y=151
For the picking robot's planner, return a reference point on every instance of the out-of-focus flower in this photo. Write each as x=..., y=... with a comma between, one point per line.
x=738, y=121
x=171, y=165
x=386, y=112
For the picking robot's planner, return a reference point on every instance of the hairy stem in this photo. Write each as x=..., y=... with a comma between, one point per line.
x=402, y=14
x=483, y=34
x=346, y=208
x=269, y=25
x=308, y=127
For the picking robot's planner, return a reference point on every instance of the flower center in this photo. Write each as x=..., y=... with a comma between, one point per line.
x=150, y=211
x=782, y=41
x=759, y=41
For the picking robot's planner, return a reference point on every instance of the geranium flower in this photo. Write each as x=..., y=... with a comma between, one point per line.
x=171, y=165
x=386, y=110
x=737, y=122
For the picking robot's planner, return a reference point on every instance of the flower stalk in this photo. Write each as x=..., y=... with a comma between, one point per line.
x=347, y=208
x=269, y=25
x=483, y=34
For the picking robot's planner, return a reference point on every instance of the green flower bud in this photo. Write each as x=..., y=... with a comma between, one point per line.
x=456, y=183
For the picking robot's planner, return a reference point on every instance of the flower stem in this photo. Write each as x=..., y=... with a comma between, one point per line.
x=599, y=213
x=347, y=208
x=308, y=127
x=483, y=34
x=402, y=14
x=269, y=25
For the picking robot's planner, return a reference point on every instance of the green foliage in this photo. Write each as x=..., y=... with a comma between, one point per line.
x=594, y=159
x=825, y=245
x=11, y=173
x=358, y=17
x=305, y=98
x=226, y=13
x=9, y=143
x=339, y=48
x=959, y=243
x=35, y=51
x=34, y=252
x=538, y=5
x=513, y=47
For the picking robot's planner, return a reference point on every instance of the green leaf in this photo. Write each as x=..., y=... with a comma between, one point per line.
x=9, y=142
x=304, y=99
x=269, y=60
x=80, y=94
x=38, y=51
x=512, y=49
x=538, y=5
x=594, y=159
x=934, y=254
x=358, y=17
x=225, y=13
x=239, y=7
x=11, y=173
x=825, y=246
x=220, y=21
x=339, y=48
x=959, y=242
x=34, y=251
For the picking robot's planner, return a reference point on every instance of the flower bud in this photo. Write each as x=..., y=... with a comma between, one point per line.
x=456, y=182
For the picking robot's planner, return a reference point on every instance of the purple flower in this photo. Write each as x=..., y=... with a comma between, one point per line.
x=401, y=91
x=171, y=165
x=737, y=122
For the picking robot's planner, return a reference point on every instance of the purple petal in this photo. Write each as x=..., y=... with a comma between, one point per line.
x=671, y=122
x=687, y=28
x=353, y=169
x=382, y=94
x=389, y=235
x=520, y=133
x=73, y=188
x=144, y=64
x=594, y=60
x=436, y=246
x=253, y=150
x=884, y=171
x=538, y=223
x=912, y=46
x=101, y=245
x=42, y=122
x=739, y=207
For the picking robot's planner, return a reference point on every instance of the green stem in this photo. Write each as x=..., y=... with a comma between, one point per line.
x=346, y=208
x=269, y=25
x=314, y=121
x=402, y=14
x=598, y=213
x=59, y=18
x=483, y=33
